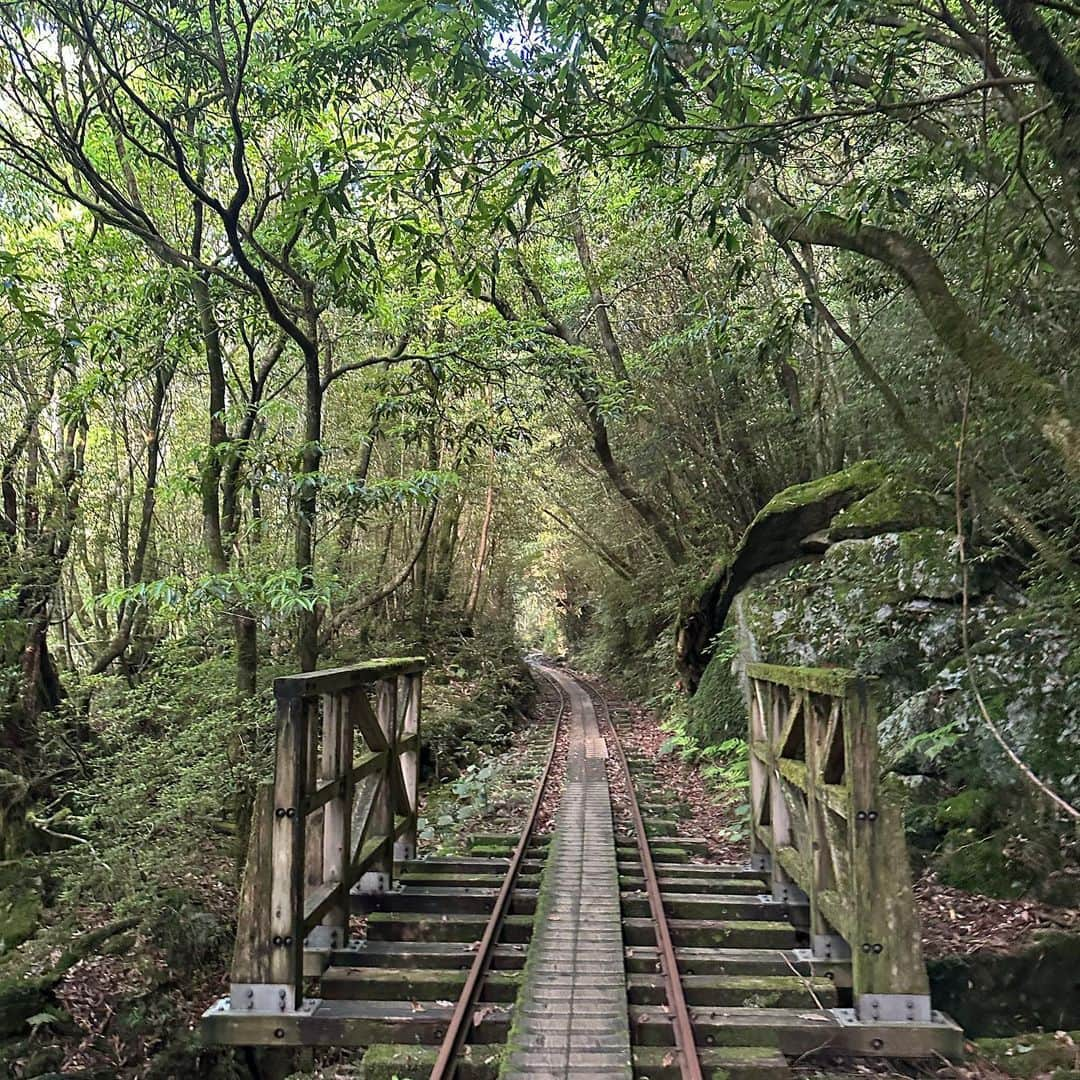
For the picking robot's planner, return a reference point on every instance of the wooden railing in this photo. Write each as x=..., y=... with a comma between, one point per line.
x=340, y=809
x=831, y=836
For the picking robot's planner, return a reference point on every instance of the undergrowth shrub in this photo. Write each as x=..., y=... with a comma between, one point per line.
x=473, y=684
x=168, y=772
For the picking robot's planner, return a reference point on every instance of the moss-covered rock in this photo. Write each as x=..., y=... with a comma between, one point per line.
x=1036, y=1053
x=717, y=711
x=20, y=905
x=996, y=994
x=890, y=606
x=920, y=564
x=774, y=536
x=976, y=861
x=22, y=997
x=972, y=808
x=894, y=506
x=847, y=485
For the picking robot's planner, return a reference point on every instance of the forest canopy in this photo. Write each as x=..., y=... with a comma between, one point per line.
x=346, y=327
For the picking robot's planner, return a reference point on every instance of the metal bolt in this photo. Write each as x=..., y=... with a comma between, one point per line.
x=830, y=975
x=277, y=939
x=251, y=992
x=279, y=1033
x=279, y=812
x=288, y=941
x=877, y=1044
x=872, y=815
x=291, y=812
x=861, y=815
x=867, y=947
x=878, y=948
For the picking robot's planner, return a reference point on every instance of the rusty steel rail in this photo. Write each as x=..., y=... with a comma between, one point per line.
x=461, y=1022
x=683, y=1028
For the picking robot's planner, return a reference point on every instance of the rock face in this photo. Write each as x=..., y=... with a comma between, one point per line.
x=873, y=583
x=996, y=995
x=774, y=536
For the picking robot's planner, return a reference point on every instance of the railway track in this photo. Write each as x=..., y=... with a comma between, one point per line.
x=596, y=949
x=595, y=939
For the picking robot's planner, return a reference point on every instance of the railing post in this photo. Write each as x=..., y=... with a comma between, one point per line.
x=315, y=712
x=760, y=856
x=825, y=943
x=835, y=837
x=250, y=975
x=888, y=975
x=409, y=687
x=378, y=876
x=335, y=767
x=781, y=700
x=287, y=845
x=299, y=873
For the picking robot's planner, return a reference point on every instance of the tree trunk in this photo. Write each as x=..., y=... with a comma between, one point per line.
x=482, y=548
x=988, y=363
x=1057, y=72
x=597, y=298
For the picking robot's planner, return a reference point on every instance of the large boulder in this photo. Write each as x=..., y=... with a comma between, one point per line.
x=775, y=536
x=875, y=585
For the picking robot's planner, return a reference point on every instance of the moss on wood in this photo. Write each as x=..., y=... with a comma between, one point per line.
x=834, y=681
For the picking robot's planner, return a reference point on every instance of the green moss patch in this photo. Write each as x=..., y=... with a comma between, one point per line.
x=775, y=536
x=894, y=506
x=1055, y=1054
x=717, y=711
x=20, y=905
x=996, y=995
x=862, y=477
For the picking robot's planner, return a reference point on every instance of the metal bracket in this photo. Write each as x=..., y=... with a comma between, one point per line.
x=829, y=947
x=262, y=997
x=404, y=851
x=923, y=1014
x=324, y=937
x=761, y=861
x=374, y=881
x=895, y=1008
x=787, y=892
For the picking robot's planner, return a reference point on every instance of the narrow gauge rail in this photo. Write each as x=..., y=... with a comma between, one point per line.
x=682, y=1026
x=458, y=1030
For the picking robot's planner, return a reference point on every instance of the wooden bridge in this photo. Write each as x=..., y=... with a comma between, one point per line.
x=609, y=946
